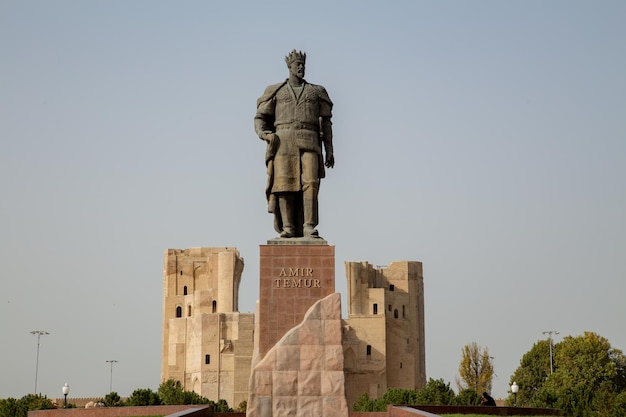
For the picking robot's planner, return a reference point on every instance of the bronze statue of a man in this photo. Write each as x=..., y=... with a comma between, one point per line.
x=293, y=117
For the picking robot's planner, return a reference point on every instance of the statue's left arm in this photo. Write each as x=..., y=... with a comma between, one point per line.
x=326, y=127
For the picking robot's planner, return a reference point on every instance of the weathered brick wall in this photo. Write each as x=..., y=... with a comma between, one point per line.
x=493, y=411
x=151, y=410
x=401, y=411
x=436, y=410
x=393, y=411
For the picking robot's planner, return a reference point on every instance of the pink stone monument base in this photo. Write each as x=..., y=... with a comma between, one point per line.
x=302, y=374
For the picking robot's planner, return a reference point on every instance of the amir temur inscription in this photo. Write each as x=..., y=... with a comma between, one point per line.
x=296, y=272
x=296, y=278
x=294, y=119
x=297, y=283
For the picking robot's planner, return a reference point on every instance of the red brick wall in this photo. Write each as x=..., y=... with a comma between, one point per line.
x=393, y=411
x=282, y=305
x=436, y=410
x=151, y=410
x=476, y=409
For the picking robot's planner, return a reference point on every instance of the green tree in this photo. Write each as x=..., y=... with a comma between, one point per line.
x=475, y=369
x=221, y=406
x=144, y=396
x=171, y=392
x=242, y=407
x=533, y=371
x=192, y=397
x=112, y=399
x=391, y=396
x=467, y=396
x=399, y=396
x=37, y=402
x=364, y=403
x=435, y=392
x=588, y=378
x=11, y=407
x=20, y=408
x=619, y=405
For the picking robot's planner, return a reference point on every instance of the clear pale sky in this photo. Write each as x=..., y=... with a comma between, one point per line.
x=486, y=139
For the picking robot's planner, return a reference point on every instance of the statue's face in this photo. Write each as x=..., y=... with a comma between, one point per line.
x=296, y=69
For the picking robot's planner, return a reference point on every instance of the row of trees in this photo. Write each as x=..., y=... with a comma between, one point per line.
x=11, y=407
x=587, y=379
x=435, y=392
x=170, y=392
x=476, y=376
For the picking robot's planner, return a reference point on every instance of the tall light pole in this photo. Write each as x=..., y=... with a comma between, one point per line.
x=39, y=333
x=112, y=361
x=549, y=333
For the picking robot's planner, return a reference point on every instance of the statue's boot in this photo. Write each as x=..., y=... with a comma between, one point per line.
x=285, y=203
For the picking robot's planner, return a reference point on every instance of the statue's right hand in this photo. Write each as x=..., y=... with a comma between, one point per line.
x=268, y=136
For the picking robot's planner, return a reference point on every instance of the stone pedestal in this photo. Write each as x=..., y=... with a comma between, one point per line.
x=294, y=275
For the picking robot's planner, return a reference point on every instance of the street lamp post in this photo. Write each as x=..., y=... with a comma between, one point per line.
x=112, y=361
x=549, y=333
x=514, y=389
x=66, y=390
x=39, y=333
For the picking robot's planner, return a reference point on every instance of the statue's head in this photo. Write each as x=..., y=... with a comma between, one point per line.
x=295, y=62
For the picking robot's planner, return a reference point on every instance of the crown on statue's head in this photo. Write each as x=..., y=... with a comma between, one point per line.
x=295, y=56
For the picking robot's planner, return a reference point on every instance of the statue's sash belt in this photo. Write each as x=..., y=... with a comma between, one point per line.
x=298, y=125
